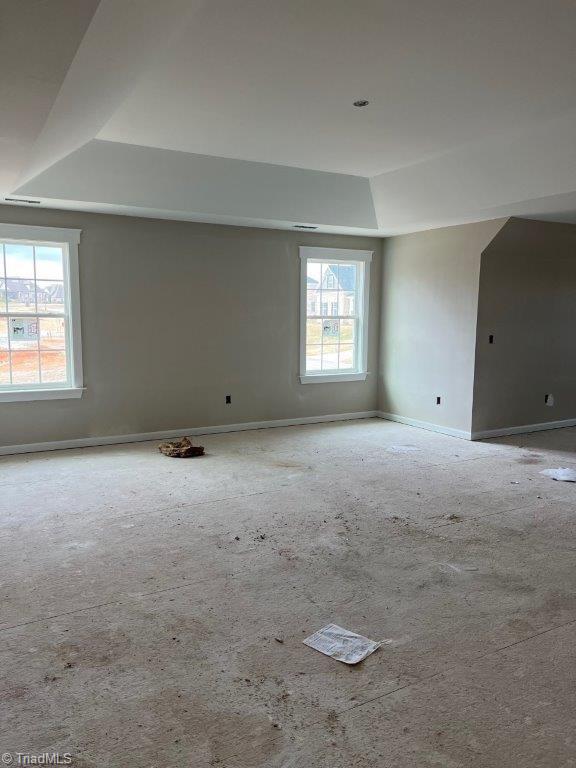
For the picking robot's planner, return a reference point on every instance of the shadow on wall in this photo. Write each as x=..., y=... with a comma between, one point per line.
x=541, y=444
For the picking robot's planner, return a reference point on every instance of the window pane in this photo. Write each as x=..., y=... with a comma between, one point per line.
x=313, y=357
x=2, y=283
x=52, y=333
x=50, y=296
x=4, y=359
x=33, y=350
x=4, y=366
x=347, y=303
x=313, y=303
x=330, y=302
x=330, y=331
x=347, y=276
x=49, y=263
x=21, y=295
x=313, y=274
x=25, y=362
x=313, y=331
x=347, y=331
x=23, y=329
x=19, y=260
x=53, y=366
x=329, y=357
x=346, y=356
x=332, y=292
x=330, y=277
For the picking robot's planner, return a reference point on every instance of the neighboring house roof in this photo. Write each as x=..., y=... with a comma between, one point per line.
x=344, y=274
x=18, y=285
x=56, y=290
x=310, y=282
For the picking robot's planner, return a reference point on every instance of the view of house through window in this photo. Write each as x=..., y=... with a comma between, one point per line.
x=332, y=315
x=33, y=316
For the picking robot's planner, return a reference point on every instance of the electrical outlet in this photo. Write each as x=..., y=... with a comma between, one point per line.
x=438, y=400
x=228, y=399
x=549, y=400
x=491, y=339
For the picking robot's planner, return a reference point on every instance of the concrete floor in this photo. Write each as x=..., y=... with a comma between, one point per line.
x=142, y=597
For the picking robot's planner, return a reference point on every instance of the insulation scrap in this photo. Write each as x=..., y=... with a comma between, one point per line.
x=566, y=474
x=181, y=449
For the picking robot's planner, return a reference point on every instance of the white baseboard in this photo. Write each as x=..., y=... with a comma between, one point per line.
x=460, y=433
x=88, y=442
x=525, y=428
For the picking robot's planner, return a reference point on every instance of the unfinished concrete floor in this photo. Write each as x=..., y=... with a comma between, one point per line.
x=143, y=599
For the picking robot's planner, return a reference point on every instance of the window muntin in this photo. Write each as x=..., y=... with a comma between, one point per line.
x=334, y=313
x=36, y=345
x=332, y=325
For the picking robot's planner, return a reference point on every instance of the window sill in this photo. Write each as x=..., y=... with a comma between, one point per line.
x=23, y=395
x=331, y=378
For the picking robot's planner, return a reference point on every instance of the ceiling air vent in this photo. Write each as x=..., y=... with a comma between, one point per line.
x=19, y=200
x=304, y=226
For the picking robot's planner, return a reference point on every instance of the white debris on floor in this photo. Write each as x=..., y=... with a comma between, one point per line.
x=341, y=644
x=566, y=474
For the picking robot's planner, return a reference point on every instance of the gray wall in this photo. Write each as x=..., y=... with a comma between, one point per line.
x=230, y=298
x=528, y=302
x=429, y=309
x=177, y=315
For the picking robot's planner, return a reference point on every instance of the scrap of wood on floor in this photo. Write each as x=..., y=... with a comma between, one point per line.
x=181, y=449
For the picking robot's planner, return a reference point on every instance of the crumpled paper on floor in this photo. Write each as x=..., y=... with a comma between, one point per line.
x=566, y=474
x=341, y=644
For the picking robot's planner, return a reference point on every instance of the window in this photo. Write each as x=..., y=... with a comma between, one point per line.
x=40, y=355
x=333, y=342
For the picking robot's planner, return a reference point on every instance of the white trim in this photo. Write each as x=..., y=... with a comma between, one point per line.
x=89, y=442
x=331, y=378
x=365, y=299
x=68, y=239
x=75, y=325
x=57, y=393
x=363, y=259
x=335, y=254
x=460, y=433
x=30, y=234
x=541, y=427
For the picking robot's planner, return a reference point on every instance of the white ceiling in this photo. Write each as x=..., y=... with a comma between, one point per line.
x=275, y=81
x=38, y=41
x=472, y=109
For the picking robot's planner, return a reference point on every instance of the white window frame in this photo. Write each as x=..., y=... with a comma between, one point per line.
x=68, y=240
x=360, y=258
